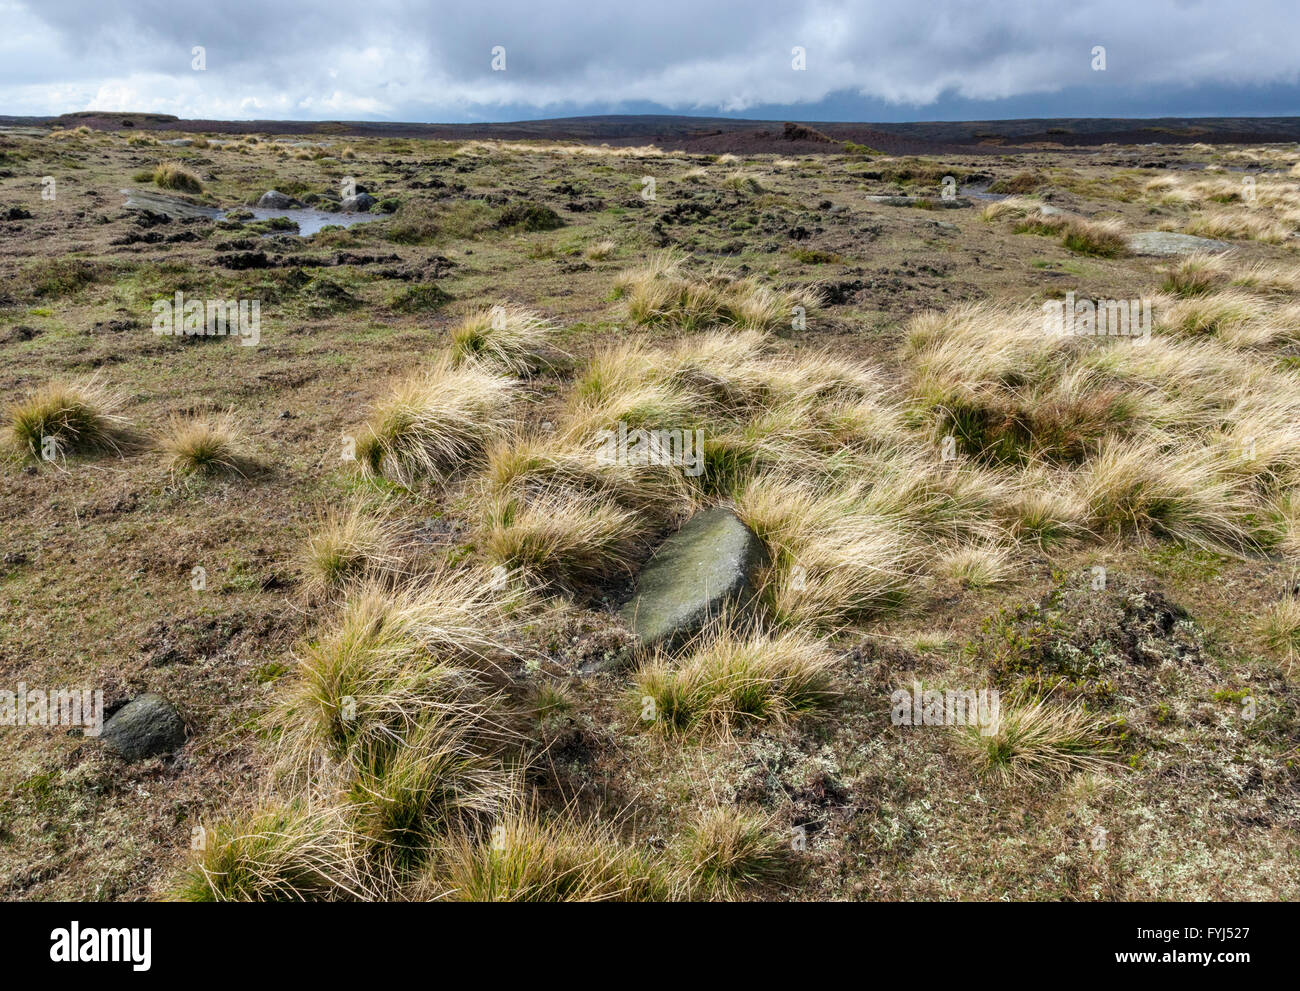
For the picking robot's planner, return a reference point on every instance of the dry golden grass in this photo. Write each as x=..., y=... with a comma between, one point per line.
x=979, y=565
x=574, y=539
x=1039, y=741
x=600, y=251
x=835, y=557
x=174, y=175
x=82, y=416
x=347, y=546
x=1099, y=238
x=731, y=679
x=1279, y=627
x=509, y=339
x=282, y=853
x=527, y=857
x=725, y=850
x=662, y=293
x=1238, y=224
x=434, y=422
x=391, y=659
x=204, y=445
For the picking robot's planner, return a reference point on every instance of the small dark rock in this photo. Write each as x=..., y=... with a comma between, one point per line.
x=145, y=726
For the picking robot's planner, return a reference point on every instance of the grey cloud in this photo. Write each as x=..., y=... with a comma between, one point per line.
x=400, y=59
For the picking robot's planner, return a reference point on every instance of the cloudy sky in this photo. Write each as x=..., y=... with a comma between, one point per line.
x=875, y=60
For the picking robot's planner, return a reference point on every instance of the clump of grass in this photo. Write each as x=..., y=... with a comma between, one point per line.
x=1279, y=627
x=434, y=422
x=600, y=250
x=1195, y=274
x=528, y=858
x=389, y=660
x=174, y=175
x=279, y=854
x=203, y=445
x=1032, y=743
x=81, y=417
x=1045, y=508
x=1012, y=206
x=347, y=546
x=1242, y=224
x=1188, y=494
x=725, y=850
x=1237, y=318
x=837, y=556
x=977, y=566
x=1099, y=238
x=435, y=780
x=736, y=679
x=569, y=460
x=661, y=293
x=574, y=539
x=1018, y=184
x=508, y=338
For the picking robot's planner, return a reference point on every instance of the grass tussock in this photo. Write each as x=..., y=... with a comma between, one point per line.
x=529, y=857
x=978, y=566
x=839, y=553
x=173, y=175
x=1195, y=274
x=348, y=545
x=574, y=539
x=434, y=422
x=662, y=293
x=68, y=417
x=509, y=339
x=1032, y=743
x=204, y=445
x=279, y=854
x=737, y=679
x=725, y=850
x=1279, y=627
x=390, y=660
x=436, y=780
x=1097, y=238
x=1238, y=224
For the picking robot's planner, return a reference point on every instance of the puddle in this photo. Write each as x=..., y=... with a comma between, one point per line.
x=309, y=221
x=982, y=193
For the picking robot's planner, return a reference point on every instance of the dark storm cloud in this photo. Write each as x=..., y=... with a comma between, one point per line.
x=402, y=60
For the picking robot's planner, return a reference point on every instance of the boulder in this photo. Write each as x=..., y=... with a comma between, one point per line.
x=707, y=565
x=145, y=726
x=274, y=200
x=361, y=203
x=1164, y=243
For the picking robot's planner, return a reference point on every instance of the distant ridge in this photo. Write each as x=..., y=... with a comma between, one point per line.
x=716, y=135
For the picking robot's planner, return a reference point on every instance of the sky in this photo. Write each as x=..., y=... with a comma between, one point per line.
x=866, y=60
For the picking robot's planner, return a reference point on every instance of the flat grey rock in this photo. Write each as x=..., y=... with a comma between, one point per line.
x=704, y=567
x=145, y=726
x=1168, y=243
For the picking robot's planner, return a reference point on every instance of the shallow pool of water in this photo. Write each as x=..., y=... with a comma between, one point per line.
x=309, y=221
